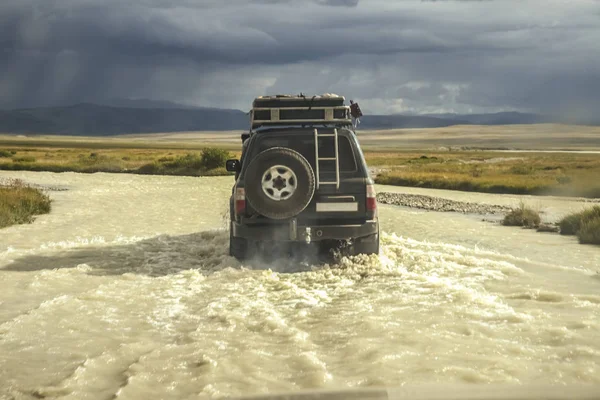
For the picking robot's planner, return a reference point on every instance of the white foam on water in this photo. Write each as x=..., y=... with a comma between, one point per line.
x=117, y=310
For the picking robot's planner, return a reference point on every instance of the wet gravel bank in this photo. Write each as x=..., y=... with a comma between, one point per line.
x=438, y=204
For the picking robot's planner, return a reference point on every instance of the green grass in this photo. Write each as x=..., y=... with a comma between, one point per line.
x=523, y=216
x=561, y=174
x=584, y=224
x=19, y=203
x=557, y=174
x=210, y=161
x=207, y=161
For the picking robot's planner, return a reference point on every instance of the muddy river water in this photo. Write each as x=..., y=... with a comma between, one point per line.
x=126, y=291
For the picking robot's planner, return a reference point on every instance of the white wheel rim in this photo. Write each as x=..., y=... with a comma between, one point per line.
x=279, y=183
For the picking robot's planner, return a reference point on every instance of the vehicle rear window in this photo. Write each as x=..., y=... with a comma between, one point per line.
x=305, y=145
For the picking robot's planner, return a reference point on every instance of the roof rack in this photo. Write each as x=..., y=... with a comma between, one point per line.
x=288, y=110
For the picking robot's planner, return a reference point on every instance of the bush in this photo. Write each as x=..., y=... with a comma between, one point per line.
x=19, y=203
x=213, y=158
x=589, y=233
x=571, y=224
x=5, y=154
x=522, y=216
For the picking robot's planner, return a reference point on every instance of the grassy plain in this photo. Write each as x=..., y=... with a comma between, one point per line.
x=457, y=158
x=101, y=157
x=561, y=174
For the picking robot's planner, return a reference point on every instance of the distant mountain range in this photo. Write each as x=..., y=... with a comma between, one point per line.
x=115, y=117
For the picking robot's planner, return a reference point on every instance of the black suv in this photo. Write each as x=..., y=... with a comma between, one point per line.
x=302, y=179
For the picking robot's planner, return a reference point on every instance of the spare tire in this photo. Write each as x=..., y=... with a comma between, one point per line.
x=280, y=183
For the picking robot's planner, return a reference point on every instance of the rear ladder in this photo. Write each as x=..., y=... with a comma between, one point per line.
x=335, y=158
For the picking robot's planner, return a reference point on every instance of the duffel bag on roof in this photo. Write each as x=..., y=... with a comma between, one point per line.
x=287, y=101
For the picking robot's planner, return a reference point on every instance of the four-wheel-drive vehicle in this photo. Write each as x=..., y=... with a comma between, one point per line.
x=302, y=178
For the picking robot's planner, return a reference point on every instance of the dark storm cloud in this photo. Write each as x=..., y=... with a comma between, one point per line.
x=343, y=3
x=393, y=55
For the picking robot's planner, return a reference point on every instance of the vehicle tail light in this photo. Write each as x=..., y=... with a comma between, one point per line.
x=371, y=198
x=240, y=200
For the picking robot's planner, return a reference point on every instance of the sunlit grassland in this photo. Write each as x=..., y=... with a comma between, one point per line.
x=563, y=174
x=121, y=160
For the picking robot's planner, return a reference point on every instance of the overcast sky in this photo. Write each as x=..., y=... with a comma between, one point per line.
x=390, y=55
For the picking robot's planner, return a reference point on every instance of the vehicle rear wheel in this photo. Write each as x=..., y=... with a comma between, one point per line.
x=283, y=183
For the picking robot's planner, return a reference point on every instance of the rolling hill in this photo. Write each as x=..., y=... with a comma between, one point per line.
x=117, y=117
x=99, y=120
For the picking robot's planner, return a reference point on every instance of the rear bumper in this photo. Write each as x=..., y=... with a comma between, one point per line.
x=293, y=232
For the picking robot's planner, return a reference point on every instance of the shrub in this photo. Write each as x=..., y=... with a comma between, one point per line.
x=5, y=154
x=523, y=216
x=19, y=203
x=572, y=223
x=213, y=157
x=589, y=233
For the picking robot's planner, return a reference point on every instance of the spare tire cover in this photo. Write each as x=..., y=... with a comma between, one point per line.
x=280, y=183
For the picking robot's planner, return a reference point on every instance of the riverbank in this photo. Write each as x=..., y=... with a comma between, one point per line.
x=584, y=224
x=536, y=173
x=20, y=203
x=567, y=174
x=208, y=161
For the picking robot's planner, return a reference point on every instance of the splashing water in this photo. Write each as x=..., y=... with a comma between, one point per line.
x=126, y=289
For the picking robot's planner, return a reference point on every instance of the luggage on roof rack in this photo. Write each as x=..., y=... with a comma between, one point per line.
x=328, y=109
x=287, y=101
